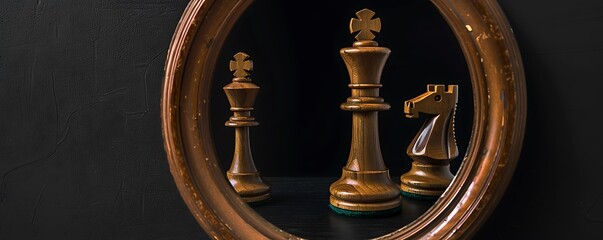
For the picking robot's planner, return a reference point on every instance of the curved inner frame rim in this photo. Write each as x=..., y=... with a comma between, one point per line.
x=463, y=168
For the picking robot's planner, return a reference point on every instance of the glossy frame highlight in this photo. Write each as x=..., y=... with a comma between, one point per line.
x=498, y=85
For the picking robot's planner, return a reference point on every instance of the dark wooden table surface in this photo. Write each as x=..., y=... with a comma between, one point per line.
x=300, y=206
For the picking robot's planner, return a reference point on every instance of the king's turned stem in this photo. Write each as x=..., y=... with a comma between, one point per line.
x=242, y=160
x=366, y=147
x=241, y=93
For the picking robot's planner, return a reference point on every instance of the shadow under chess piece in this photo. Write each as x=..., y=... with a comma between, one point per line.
x=241, y=93
x=365, y=188
x=434, y=146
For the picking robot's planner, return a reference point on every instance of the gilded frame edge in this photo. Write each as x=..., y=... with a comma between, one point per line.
x=500, y=107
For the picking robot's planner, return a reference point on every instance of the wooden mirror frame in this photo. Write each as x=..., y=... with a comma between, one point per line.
x=499, y=93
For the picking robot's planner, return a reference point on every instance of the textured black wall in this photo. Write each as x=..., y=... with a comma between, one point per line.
x=81, y=153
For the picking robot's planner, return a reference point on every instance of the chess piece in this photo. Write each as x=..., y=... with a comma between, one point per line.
x=365, y=187
x=241, y=93
x=434, y=146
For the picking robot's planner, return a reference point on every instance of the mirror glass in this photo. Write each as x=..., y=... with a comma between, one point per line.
x=303, y=139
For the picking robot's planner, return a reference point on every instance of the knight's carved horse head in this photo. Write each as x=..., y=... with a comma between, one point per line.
x=434, y=146
x=436, y=101
x=436, y=138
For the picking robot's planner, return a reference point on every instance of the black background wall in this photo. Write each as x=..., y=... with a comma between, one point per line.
x=81, y=153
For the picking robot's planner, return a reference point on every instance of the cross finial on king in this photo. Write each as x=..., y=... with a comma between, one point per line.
x=365, y=24
x=242, y=65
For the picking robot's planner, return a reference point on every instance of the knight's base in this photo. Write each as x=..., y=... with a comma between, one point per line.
x=366, y=206
x=365, y=214
x=426, y=181
x=419, y=191
x=419, y=197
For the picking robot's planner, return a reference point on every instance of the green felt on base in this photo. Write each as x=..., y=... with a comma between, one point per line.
x=365, y=214
x=418, y=196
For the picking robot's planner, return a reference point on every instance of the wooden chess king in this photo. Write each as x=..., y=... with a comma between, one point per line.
x=434, y=146
x=365, y=187
x=241, y=93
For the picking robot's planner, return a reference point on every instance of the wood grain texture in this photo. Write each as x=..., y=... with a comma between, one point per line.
x=365, y=184
x=496, y=140
x=73, y=171
x=434, y=146
x=298, y=206
x=241, y=93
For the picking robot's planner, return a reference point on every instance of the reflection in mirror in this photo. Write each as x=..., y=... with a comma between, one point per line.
x=304, y=138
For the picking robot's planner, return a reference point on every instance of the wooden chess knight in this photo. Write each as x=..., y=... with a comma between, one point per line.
x=434, y=146
x=241, y=93
x=365, y=187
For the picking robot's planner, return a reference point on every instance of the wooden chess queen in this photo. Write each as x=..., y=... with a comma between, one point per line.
x=434, y=146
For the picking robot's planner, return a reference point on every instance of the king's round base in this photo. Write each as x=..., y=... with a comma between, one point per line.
x=257, y=200
x=366, y=206
x=249, y=186
x=365, y=214
x=365, y=191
